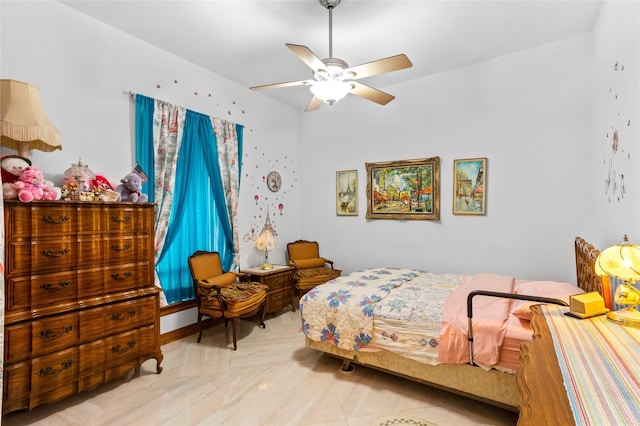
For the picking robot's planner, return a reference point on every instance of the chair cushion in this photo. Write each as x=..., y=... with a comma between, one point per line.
x=315, y=262
x=237, y=296
x=313, y=276
x=240, y=296
x=240, y=292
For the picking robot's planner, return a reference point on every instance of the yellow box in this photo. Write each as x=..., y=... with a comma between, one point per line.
x=587, y=304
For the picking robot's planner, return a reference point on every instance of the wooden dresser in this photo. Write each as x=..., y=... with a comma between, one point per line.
x=81, y=305
x=280, y=283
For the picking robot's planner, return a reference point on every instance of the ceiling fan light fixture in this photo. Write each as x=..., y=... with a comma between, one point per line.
x=330, y=91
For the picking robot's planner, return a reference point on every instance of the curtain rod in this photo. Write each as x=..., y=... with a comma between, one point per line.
x=133, y=94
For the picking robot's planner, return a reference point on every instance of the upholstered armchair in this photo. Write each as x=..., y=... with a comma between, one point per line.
x=221, y=295
x=311, y=269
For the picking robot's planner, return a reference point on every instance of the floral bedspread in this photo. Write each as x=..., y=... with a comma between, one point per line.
x=409, y=320
x=341, y=311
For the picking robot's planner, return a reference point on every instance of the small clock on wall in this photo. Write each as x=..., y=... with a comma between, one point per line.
x=274, y=181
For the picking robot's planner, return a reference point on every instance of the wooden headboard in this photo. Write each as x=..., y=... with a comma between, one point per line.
x=586, y=255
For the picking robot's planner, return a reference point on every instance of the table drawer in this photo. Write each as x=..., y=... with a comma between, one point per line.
x=278, y=300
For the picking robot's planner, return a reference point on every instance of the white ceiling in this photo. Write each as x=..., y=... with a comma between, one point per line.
x=245, y=40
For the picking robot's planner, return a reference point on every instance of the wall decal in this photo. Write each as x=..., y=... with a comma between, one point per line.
x=619, y=156
x=261, y=162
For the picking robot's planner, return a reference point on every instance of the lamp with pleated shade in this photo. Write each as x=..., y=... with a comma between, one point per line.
x=23, y=123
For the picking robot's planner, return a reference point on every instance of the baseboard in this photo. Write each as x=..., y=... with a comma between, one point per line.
x=187, y=331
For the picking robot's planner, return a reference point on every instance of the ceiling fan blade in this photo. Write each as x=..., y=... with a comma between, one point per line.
x=381, y=66
x=307, y=56
x=375, y=95
x=313, y=104
x=280, y=85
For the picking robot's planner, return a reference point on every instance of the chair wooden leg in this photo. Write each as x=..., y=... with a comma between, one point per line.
x=261, y=314
x=199, y=327
x=234, y=326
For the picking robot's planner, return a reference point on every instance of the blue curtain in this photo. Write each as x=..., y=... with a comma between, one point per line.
x=199, y=218
x=144, y=132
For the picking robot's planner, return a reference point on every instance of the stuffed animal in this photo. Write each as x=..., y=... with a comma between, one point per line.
x=31, y=186
x=129, y=189
x=12, y=166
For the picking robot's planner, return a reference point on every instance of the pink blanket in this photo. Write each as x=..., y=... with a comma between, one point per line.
x=490, y=317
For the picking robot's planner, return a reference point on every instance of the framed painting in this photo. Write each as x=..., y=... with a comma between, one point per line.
x=469, y=186
x=347, y=193
x=404, y=190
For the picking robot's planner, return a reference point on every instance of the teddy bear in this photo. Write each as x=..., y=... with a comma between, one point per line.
x=11, y=167
x=31, y=186
x=129, y=189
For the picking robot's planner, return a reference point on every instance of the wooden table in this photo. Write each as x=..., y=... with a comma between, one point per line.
x=280, y=283
x=539, y=379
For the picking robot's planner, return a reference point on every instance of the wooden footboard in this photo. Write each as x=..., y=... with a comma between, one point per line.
x=586, y=255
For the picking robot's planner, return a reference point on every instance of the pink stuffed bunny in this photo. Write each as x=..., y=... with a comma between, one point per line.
x=31, y=186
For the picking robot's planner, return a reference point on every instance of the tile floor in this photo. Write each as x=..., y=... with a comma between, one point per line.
x=272, y=379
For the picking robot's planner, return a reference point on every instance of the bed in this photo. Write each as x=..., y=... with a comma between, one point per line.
x=414, y=324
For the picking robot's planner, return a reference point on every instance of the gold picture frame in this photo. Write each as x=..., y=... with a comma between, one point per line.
x=404, y=190
x=469, y=186
x=347, y=193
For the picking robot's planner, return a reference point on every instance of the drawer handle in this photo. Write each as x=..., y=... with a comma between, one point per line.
x=50, y=334
x=118, y=219
x=55, y=253
x=49, y=371
x=118, y=316
x=51, y=287
x=118, y=349
x=124, y=247
x=60, y=220
x=118, y=277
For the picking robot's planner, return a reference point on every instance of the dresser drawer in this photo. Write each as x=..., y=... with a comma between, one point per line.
x=54, y=376
x=17, y=385
x=126, y=249
x=40, y=220
x=97, y=323
x=54, y=333
x=127, y=277
x=128, y=219
x=122, y=348
x=51, y=254
x=92, y=357
x=17, y=342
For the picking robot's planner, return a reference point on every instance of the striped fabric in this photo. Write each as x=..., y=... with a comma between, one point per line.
x=600, y=364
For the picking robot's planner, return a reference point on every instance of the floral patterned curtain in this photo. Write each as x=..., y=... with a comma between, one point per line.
x=228, y=157
x=174, y=236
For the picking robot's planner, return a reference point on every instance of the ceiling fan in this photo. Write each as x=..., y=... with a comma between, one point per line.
x=333, y=79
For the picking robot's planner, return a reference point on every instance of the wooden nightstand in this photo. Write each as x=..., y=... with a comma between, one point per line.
x=280, y=282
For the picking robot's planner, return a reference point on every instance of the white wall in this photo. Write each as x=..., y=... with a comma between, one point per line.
x=616, y=106
x=529, y=113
